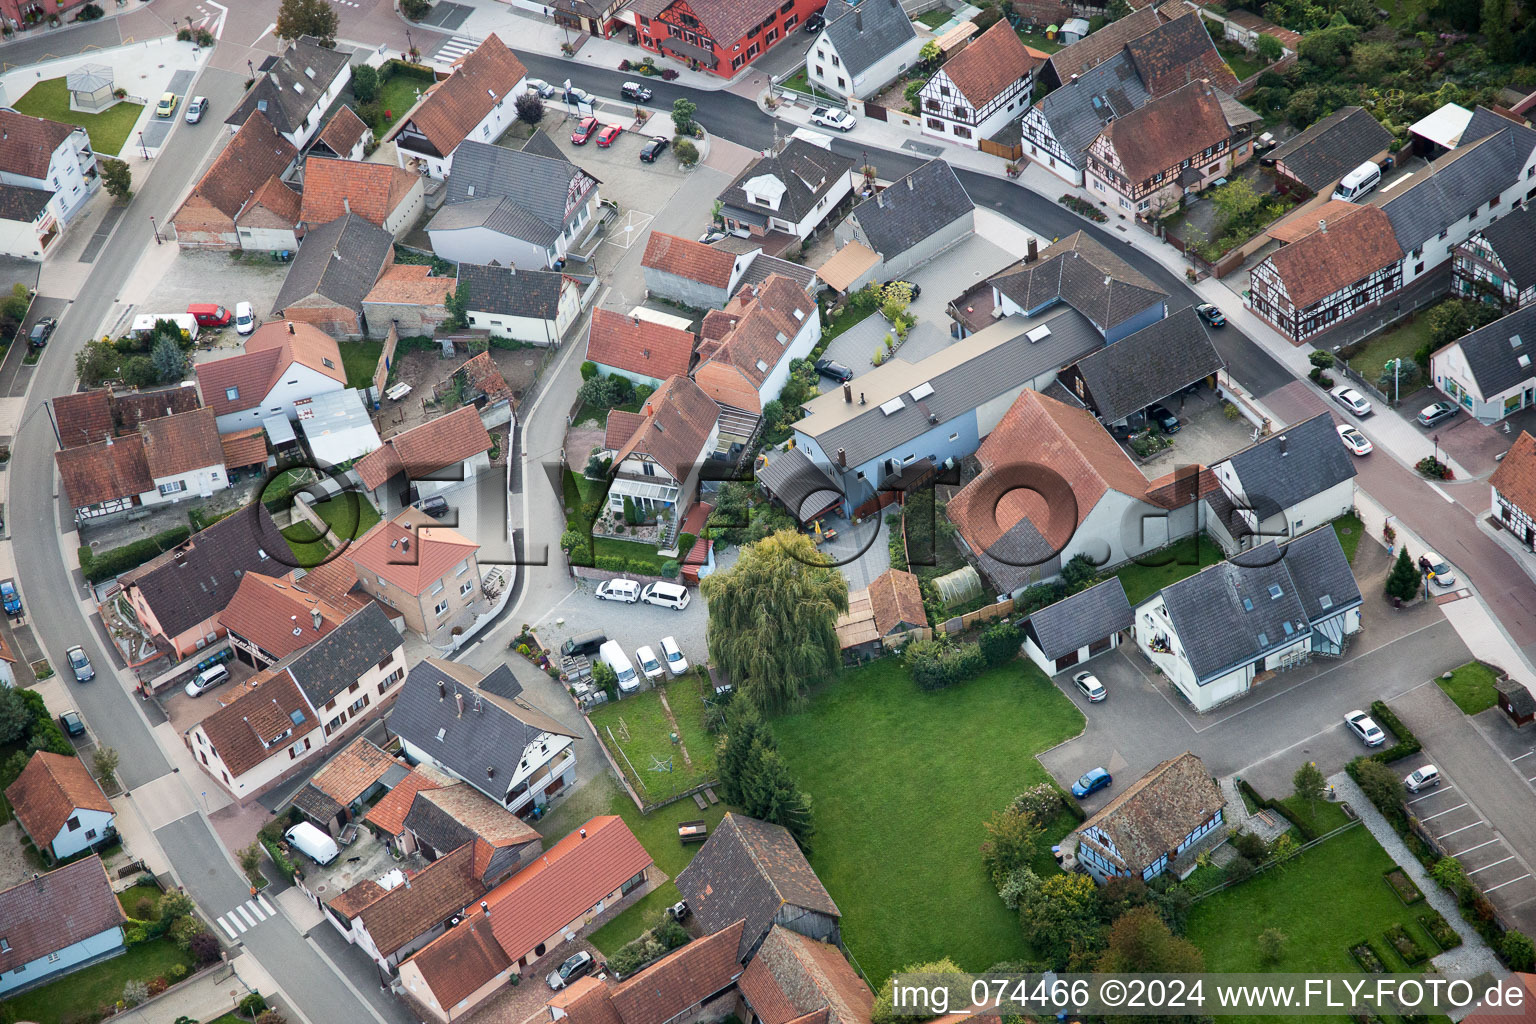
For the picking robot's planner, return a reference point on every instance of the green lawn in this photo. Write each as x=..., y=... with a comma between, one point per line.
x=1038, y=41
x=799, y=82
x=1327, y=816
x=1403, y=340
x=644, y=721
x=98, y=985
x=1173, y=563
x=108, y=130
x=901, y=782
x=934, y=18
x=1349, y=530
x=1471, y=687
x=397, y=95
x=130, y=897
x=360, y=359
x=1243, y=64
x=349, y=517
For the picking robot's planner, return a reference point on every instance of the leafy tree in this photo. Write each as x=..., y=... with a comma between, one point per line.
x=13, y=767
x=96, y=362
x=415, y=9
x=885, y=1010
x=1269, y=47
x=770, y=793
x=1373, y=59
x=686, y=152
x=1013, y=837
x=1309, y=784
x=1236, y=199
x=588, y=370
x=605, y=678
x=175, y=905
x=15, y=716
x=457, y=305
x=746, y=729
x=183, y=930
x=316, y=18
x=1060, y=916
x=169, y=360
x=930, y=54
x=1403, y=582
x=1271, y=946
x=1321, y=359
x=365, y=83
x=250, y=861
x=117, y=179
x=139, y=372
x=1519, y=952
x=772, y=617
x=13, y=309
x=1448, y=321
x=682, y=115
x=1498, y=24
x=1000, y=643
x=530, y=107
x=1397, y=376
x=1141, y=942
x=1380, y=783
x=106, y=760
x=1079, y=574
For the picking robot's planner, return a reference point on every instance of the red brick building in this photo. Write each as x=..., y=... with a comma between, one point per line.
x=721, y=37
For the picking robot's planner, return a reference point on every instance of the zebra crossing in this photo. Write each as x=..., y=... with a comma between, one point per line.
x=246, y=916
x=453, y=49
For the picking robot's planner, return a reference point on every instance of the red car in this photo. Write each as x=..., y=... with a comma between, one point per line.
x=584, y=131
x=605, y=139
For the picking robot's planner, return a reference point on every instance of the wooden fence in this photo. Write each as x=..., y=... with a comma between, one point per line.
x=386, y=359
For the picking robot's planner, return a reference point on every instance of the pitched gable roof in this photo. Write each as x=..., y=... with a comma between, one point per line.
x=246, y=731
x=1513, y=239
x=1077, y=112
x=452, y=108
x=334, y=188
x=84, y=417
x=409, y=552
x=55, y=910
x=349, y=775
x=461, y=960
x=341, y=132
x=257, y=152
x=1097, y=47
x=30, y=143
x=1083, y=618
x=1152, y=817
x=340, y=657
x=808, y=174
x=518, y=192
x=1457, y=183
x=104, y=471
x=181, y=443
x=1335, y=255
x=410, y=284
x=865, y=33
x=1177, y=54
x=1172, y=128
x=990, y=64
x=289, y=85
x=483, y=817
x=896, y=600
x=1086, y=276
x=680, y=979
x=1292, y=465
x=132, y=408
x=390, y=812
x=687, y=258
x=428, y=898
x=847, y=265
x=913, y=208
x=48, y=792
x=339, y=261
x=793, y=976
x=679, y=418
x=19, y=203
x=639, y=345
x=1515, y=476
x=764, y=320
x=1157, y=361
x=427, y=448
x=726, y=21
x=270, y=350
x=508, y=291
x=274, y=204
x=1332, y=147
x=1492, y=354
x=277, y=614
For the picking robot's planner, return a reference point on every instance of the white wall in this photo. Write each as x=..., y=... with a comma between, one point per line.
x=199, y=483
x=1436, y=251
x=864, y=85
x=798, y=348
x=404, y=216
x=489, y=129
x=66, y=176
x=519, y=328
x=242, y=786
x=93, y=825
x=483, y=245
x=267, y=238
x=1449, y=366
x=297, y=382
x=23, y=239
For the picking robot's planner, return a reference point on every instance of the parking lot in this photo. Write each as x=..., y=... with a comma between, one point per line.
x=185, y=712
x=1448, y=814
x=215, y=277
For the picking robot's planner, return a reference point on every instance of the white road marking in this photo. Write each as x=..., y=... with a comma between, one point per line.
x=1495, y=864
x=1479, y=846
x=228, y=930
x=234, y=921
x=255, y=910
x=267, y=906
x=1421, y=799
x=1462, y=829
x=246, y=914
x=1442, y=814
x=1501, y=885
x=1523, y=756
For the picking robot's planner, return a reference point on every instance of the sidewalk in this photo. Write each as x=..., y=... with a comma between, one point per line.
x=202, y=998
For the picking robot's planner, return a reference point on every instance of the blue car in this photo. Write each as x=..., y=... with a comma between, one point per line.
x=1091, y=782
x=10, y=597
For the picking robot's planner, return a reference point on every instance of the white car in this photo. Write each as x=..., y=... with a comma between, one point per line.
x=196, y=109
x=1361, y=725
x=1090, y=686
x=626, y=591
x=1427, y=777
x=673, y=656
x=835, y=118
x=245, y=317
x=1355, y=441
x=543, y=88
x=1351, y=399
x=648, y=663
x=1440, y=572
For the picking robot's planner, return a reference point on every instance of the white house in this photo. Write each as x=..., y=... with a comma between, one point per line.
x=659, y=452
x=919, y=216
x=644, y=350
x=1221, y=632
x=981, y=89
x=747, y=347
x=863, y=47
x=535, y=306
x=50, y=156
x=283, y=362
x=475, y=103
x=28, y=225
x=475, y=728
x=1513, y=487
x=58, y=922
x=1076, y=628
x=1283, y=486
x=59, y=805
x=169, y=458
x=791, y=191
x=1488, y=372
x=295, y=88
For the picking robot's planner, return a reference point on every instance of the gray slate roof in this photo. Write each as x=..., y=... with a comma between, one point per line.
x=799, y=483
x=362, y=249
x=540, y=144
x=1324, y=581
x=520, y=193
x=307, y=65
x=807, y=172
x=1458, y=183
x=866, y=33
x=508, y=291
x=763, y=265
x=1290, y=466
x=439, y=829
x=964, y=387
x=913, y=208
x=1333, y=147
x=1493, y=358
x=1513, y=237
x=1150, y=365
x=1217, y=631
x=336, y=660
x=491, y=737
x=17, y=202
x=1086, y=276
x=1077, y=112
x=1077, y=621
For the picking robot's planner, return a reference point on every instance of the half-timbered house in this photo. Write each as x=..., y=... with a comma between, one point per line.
x=715, y=37
x=980, y=89
x=1341, y=268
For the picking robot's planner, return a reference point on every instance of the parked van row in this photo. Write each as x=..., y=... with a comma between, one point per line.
x=653, y=668
x=668, y=595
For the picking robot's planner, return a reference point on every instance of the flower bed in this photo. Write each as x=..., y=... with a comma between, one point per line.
x=1406, y=945
x=1403, y=886
x=1367, y=958
x=1085, y=208
x=1439, y=929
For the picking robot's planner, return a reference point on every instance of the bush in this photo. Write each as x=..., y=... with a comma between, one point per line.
x=670, y=568
x=1271, y=945
x=90, y=12
x=1250, y=845
x=1239, y=869
x=143, y=909
x=1519, y=952
x=183, y=931
x=415, y=9
x=99, y=566
x=685, y=543
x=1407, y=743
x=179, y=971
x=251, y=1005
x=636, y=954
x=530, y=108
x=1013, y=837
x=937, y=664
x=1042, y=802
x=1000, y=643
x=588, y=370
x=135, y=992
x=365, y=82
x=686, y=152
x=671, y=934
x=1439, y=929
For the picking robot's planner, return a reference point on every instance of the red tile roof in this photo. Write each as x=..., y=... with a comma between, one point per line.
x=682, y=978
x=411, y=284
x=564, y=882
x=373, y=191
x=343, y=131
x=103, y=471
x=49, y=791
x=389, y=813
x=993, y=62
x=255, y=154
x=270, y=612
x=586, y=1002
x=431, y=896
x=1515, y=476
x=277, y=201
x=269, y=352
x=638, y=346
x=241, y=731
x=619, y=428
x=768, y=317
x=428, y=448
x=431, y=552
x=174, y=445
x=54, y=911
x=1319, y=264
x=895, y=598
x=30, y=143
x=1167, y=131
x=1182, y=487
x=792, y=976
x=244, y=447
x=84, y=417
x=459, y=961
x=687, y=258
x=679, y=418
x=352, y=772
x=452, y=108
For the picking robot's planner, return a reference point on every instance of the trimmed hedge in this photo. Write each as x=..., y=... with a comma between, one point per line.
x=107, y=564
x=1407, y=743
x=1306, y=829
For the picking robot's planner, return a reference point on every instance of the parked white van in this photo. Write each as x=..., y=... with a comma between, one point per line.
x=312, y=842
x=627, y=591
x=207, y=680
x=1358, y=182
x=668, y=595
x=614, y=657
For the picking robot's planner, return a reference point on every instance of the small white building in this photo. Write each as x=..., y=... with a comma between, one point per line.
x=863, y=47
x=295, y=88
x=1286, y=485
x=28, y=226
x=59, y=805
x=1074, y=629
x=53, y=157
x=536, y=306
x=1488, y=372
x=980, y=89
x=790, y=192
x=284, y=362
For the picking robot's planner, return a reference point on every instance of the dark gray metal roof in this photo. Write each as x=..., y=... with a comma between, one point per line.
x=340, y=260
x=509, y=291
x=1458, y=183
x=1077, y=621
x=1078, y=111
x=19, y=203
x=798, y=482
x=866, y=33
x=1493, y=356
x=1086, y=276
x=1217, y=629
x=529, y=190
x=913, y=208
x=289, y=85
x=336, y=660
x=1513, y=238
x=1150, y=365
x=1292, y=465
x=1333, y=147
x=807, y=173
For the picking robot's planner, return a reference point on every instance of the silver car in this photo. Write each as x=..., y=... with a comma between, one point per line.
x=196, y=108
x=84, y=673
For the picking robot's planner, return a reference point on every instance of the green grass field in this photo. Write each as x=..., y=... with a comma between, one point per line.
x=901, y=783
x=1349, y=530
x=934, y=18
x=1401, y=341
x=349, y=517
x=1471, y=687
x=1325, y=817
x=129, y=898
x=1174, y=563
x=108, y=130
x=397, y=95
x=96, y=986
x=360, y=359
x=644, y=720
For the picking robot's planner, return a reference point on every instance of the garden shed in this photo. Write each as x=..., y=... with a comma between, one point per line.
x=90, y=87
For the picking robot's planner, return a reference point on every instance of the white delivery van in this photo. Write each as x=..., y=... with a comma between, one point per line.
x=312, y=842
x=143, y=325
x=1358, y=182
x=627, y=591
x=614, y=657
x=668, y=595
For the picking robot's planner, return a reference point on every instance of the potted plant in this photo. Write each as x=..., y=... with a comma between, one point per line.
x=567, y=50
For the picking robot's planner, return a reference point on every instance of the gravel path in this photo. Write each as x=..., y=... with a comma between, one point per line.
x=1473, y=956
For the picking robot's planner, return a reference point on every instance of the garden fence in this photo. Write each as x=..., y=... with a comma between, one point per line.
x=1352, y=823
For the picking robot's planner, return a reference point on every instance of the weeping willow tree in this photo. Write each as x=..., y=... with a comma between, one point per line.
x=772, y=619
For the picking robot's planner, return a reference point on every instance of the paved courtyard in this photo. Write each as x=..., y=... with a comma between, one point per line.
x=214, y=277
x=1205, y=434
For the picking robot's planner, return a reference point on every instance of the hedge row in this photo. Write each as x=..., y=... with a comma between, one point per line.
x=1307, y=830
x=99, y=566
x=1407, y=743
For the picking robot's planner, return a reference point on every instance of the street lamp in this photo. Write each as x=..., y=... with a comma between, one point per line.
x=142, y=148
x=251, y=66
x=1436, y=438
x=410, y=42
x=156, y=229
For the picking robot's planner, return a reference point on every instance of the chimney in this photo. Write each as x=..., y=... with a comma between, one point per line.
x=405, y=545
x=290, y=327
x=583, y=833
x=346, y=204
x=847, y=393
x=315, y=617
x=485, y=908
x=407, y=881
x=458, y=698
x=1074, y=79
x=861, y=398
x=490, y=771
x=842, y=458
x=858, y=19
x=636, y=318
x=442, y=691
x=1283, y=452
x=1322, y=225
x=910, y=186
